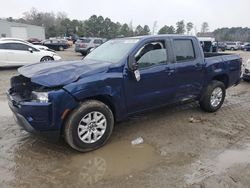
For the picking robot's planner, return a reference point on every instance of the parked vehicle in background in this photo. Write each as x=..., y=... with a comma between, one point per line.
x=82, y=99
x=85, y=45
x=17, y=53
x=233, y=45
x=246, y=47
x=41, y=47
x=56, y=44
x=222, y=46
x=34, y=41
x=246, y=71
x=208, y=44
x=74, y=38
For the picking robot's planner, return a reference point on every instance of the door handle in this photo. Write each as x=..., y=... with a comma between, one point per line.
x=169, y=70
x=198, y=66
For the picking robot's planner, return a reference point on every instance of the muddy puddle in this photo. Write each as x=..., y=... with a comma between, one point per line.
x=4, y=109
x=219, y=165
x=33, y=167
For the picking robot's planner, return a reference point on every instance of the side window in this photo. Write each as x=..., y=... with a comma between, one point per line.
x=97, y=41
x=55, y=41
x=151, y=54
x=184, y=50
x=47, y=42
x=1, y=46
x=17, y=46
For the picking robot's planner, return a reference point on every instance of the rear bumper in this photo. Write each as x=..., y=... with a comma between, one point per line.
x=81, y=50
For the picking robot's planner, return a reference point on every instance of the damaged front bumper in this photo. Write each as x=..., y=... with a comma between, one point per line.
x=36, y=112
x=34, y=117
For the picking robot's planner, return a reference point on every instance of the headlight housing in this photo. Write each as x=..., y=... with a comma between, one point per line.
x=42, y=97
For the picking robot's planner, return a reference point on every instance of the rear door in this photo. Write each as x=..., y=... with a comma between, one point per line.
x=189, y=67
x=48, y=43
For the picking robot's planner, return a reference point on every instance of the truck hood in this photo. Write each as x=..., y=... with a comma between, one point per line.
x=52, y=74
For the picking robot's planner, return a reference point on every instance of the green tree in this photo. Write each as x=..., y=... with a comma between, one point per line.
x=146, y=30
x=139, y=30
x=180, y=27
x=125, y=30
x=189, y=27
x=167, y=30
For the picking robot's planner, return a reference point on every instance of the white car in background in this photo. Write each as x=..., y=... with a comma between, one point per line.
x=41, y=47
x=17, y=53
x=246, y=71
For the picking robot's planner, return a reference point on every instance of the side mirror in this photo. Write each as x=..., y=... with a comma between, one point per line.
x=30, y=50
x=133, y=67
x=132, y=64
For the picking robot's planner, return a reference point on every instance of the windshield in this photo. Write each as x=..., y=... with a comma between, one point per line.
x=113, y=50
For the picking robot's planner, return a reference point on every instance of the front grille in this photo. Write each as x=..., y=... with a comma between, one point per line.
x=22, y=86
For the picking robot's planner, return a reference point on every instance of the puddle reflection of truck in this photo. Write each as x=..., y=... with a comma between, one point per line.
x=82, y=100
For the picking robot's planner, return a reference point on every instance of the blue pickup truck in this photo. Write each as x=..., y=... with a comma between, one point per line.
x=82, y=100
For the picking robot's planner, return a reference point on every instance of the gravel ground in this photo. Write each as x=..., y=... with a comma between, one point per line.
x=183, y=147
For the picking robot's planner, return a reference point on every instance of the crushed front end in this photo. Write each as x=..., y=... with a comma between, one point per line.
x=39, y=109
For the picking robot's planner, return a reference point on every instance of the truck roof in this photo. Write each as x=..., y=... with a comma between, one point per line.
x=162, y=36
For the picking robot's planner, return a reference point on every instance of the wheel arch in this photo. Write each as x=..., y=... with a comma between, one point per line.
x=47, y=56
x=222, y=78
x=106, y=99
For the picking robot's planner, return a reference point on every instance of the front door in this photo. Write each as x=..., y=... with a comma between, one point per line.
x=156, y=85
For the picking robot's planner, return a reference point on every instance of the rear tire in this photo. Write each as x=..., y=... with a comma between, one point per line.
x=83, y=131
x=213, y=96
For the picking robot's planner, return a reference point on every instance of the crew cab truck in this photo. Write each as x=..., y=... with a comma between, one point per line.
x=82, y=100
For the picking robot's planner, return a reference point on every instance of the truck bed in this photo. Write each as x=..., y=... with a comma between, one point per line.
x=207, y=55
x=225, y=64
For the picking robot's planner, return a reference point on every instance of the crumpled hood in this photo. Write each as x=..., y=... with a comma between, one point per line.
x=52, y=74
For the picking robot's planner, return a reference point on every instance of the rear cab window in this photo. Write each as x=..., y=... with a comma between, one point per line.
x=184, y=50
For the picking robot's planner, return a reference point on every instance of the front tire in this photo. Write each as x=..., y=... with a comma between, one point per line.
x=213, y=96
x=89, y=126
x=46, y=58
x=61, y=48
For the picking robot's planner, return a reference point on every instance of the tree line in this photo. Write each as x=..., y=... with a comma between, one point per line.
x=97, y=26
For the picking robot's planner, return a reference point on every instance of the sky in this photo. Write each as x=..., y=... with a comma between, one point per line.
x=220, y=13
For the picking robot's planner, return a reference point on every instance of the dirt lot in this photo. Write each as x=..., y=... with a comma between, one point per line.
x=183, y=147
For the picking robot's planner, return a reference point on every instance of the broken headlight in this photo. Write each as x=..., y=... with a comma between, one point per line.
x=42, y=97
